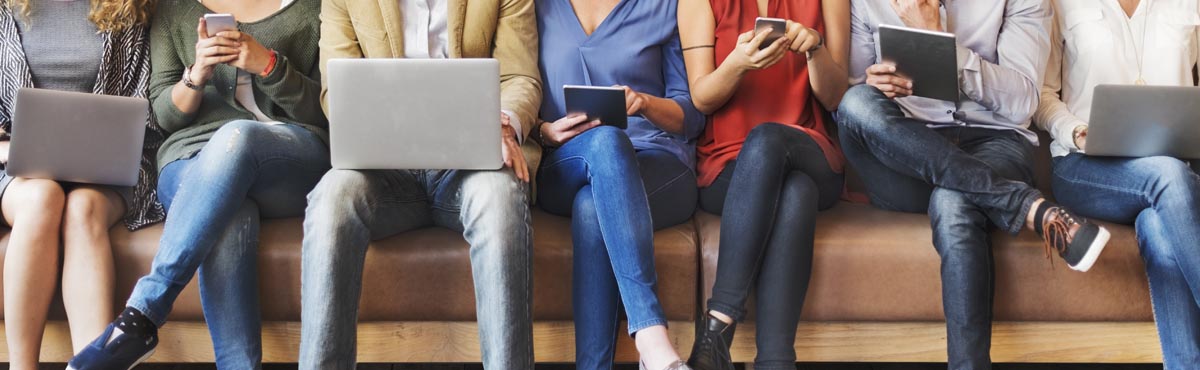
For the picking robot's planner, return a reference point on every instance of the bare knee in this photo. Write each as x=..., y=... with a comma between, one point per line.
x=35, y=200
x=90, y=212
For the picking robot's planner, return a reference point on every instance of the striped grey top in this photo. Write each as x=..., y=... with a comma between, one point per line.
x=62, y=46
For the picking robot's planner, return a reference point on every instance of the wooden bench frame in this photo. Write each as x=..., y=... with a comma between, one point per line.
x=457, y=342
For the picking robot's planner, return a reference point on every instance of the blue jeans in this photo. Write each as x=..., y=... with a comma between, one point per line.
x=967, y=179
x=769, y=201
x=1160, y=196
x=214, y=199
x=349, y=209
x=616, y=198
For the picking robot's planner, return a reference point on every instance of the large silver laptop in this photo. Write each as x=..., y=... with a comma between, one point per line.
x=415, y=114
x=77, y=137
x=1144, y=121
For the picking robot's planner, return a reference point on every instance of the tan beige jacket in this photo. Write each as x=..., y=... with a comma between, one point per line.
x=501, y=29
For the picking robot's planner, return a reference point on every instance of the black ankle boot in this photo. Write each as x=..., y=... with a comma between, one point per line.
x=711, y=349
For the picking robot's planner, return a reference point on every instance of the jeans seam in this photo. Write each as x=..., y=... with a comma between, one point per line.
x=667, y=184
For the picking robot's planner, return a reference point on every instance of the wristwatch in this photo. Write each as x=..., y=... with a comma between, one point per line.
x=187, y=80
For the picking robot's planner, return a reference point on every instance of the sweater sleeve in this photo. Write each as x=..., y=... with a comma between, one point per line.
x=166, y=71
x=298, y=93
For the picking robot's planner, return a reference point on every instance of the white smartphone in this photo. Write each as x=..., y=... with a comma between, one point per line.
x=218, y=23
x=778, y=29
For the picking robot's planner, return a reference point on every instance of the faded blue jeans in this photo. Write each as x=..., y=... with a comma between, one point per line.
x=1160, y=196
x=349, y=209
x=616, y=198
x=248, y=170
x=968, y=179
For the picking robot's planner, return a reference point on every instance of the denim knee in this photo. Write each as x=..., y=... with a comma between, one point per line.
x=241, y=135
x=765, y=141
x=496, y=201
x=1174, y=183
x=860, y=108
x=949, y=209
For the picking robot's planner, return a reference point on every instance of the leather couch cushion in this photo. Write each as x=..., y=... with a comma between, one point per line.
x=424, y=275
x=874, y=265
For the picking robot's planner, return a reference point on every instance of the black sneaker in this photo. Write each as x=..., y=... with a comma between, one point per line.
x=711, y=349
x=114, y=350
x=1076, y=239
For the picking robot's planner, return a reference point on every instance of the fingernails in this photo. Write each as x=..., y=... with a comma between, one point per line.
x=909, y=85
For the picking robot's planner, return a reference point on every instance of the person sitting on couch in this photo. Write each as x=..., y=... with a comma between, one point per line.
x=618, y=186
x=1130, y=42
x=71, y=46
x=766, y=161
x=350, y=208
x=247, y=139
x=968, y=164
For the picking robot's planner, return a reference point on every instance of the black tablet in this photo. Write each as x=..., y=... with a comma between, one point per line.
x=606, y=104
x=929, y=59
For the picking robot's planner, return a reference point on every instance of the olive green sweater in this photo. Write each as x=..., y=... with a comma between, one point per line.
x=291, y=93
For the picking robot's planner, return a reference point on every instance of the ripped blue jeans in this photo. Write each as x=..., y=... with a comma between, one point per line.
x=214, y=200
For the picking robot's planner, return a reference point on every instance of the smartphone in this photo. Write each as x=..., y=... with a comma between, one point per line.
x=218, y=23
x=778, y=29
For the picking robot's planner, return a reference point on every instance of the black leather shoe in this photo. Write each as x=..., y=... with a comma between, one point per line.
x=711, y=349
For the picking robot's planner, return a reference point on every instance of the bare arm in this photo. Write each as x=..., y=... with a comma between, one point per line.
x=828, y=68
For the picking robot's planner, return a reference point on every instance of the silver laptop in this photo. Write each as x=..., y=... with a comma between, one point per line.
x=77, y=137
x=414, y=114
x=1144, y=121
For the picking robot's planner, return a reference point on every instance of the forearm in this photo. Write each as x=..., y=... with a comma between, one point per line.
x=186, y=99
x=713, y=90
x=828, y=79
x=664, y=113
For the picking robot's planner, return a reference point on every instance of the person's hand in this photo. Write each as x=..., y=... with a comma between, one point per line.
x=803, y=38
x=559, y=132
x=923, y=14
x=211, y=51
x=4, y=152
x=1080, y=137
x=635, y=101
x=884, y=78
x=510, y=150
x=252, y=56
x=747, y=56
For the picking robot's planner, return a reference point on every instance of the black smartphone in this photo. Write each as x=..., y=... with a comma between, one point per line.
x=778, y=29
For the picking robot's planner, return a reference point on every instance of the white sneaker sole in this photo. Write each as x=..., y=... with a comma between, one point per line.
x=1093, y=252
x=141, y=360
x=135, y=363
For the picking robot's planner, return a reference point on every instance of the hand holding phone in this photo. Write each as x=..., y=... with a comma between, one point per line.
x=777, y=26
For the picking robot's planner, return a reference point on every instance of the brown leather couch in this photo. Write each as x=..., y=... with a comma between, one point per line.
x=875, y=295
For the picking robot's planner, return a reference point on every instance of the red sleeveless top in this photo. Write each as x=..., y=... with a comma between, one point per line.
x=780, y=94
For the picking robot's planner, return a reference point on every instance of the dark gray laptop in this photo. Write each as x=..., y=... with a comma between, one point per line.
x=415, y=114
x=1145, y=121
x=77, y=137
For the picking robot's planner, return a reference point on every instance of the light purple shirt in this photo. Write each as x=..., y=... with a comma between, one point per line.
x=1003, y=48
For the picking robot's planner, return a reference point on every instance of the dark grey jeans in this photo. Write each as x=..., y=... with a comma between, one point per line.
x=348, y=209
x=967, y=179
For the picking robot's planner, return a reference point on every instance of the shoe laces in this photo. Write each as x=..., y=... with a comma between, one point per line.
x=1057, y=232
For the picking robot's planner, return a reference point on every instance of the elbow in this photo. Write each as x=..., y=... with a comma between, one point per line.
x=703, y=107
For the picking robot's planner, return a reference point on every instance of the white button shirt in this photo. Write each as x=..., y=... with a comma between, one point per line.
x=1096, y=43
x=426, y=36
x=1002, y=49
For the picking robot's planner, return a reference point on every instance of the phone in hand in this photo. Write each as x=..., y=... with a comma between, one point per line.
x=218, y=23
x=778, y=29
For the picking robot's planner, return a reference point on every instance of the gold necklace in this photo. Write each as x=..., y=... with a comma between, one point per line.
x=1140, y=54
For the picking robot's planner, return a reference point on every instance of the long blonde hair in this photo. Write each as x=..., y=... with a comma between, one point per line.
x=108, y=15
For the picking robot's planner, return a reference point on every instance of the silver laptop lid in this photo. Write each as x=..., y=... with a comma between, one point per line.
x=414, y=113
x=77, y=137
x=1144, y=121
